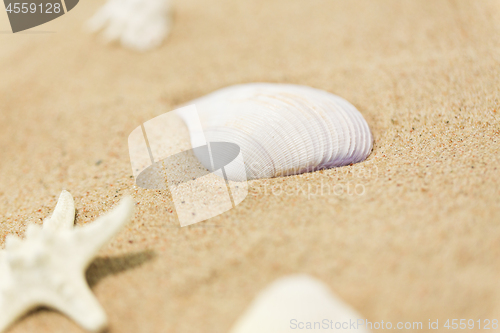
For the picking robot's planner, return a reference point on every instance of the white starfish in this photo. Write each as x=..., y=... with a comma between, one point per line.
x=48, y=267
x=138, y=24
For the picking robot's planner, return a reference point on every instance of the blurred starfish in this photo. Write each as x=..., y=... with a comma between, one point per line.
x=48, y=267
x=137, y=24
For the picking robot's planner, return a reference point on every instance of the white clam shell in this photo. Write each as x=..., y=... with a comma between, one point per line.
x=283, y=129
x=298, y=303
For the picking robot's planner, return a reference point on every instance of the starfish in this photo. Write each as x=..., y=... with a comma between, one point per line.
x=48, y=267
x=137, y=24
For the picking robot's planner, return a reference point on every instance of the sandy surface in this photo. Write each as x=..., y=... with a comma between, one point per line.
x=411, y=234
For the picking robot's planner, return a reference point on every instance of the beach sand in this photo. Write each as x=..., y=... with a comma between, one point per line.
x=411, y=234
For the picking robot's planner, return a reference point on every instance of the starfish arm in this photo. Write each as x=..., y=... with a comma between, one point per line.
x=4, y=270
x=78, y=303
x=12, y=306
x=7, y=313
x=63, y=216
x=93, y=236
x=11, y=311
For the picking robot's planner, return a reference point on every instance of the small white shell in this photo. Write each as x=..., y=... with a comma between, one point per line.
x=283, y=129
x=295, y=302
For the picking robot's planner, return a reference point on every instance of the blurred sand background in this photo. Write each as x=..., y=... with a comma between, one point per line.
x=420, y=242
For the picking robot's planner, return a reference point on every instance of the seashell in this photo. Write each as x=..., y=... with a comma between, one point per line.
x=282, y=129
x=294, y=303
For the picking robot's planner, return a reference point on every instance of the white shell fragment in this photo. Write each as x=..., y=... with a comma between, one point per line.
x=298, y=303
x=47, y=268
x=283, y=129
x=136, y=24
